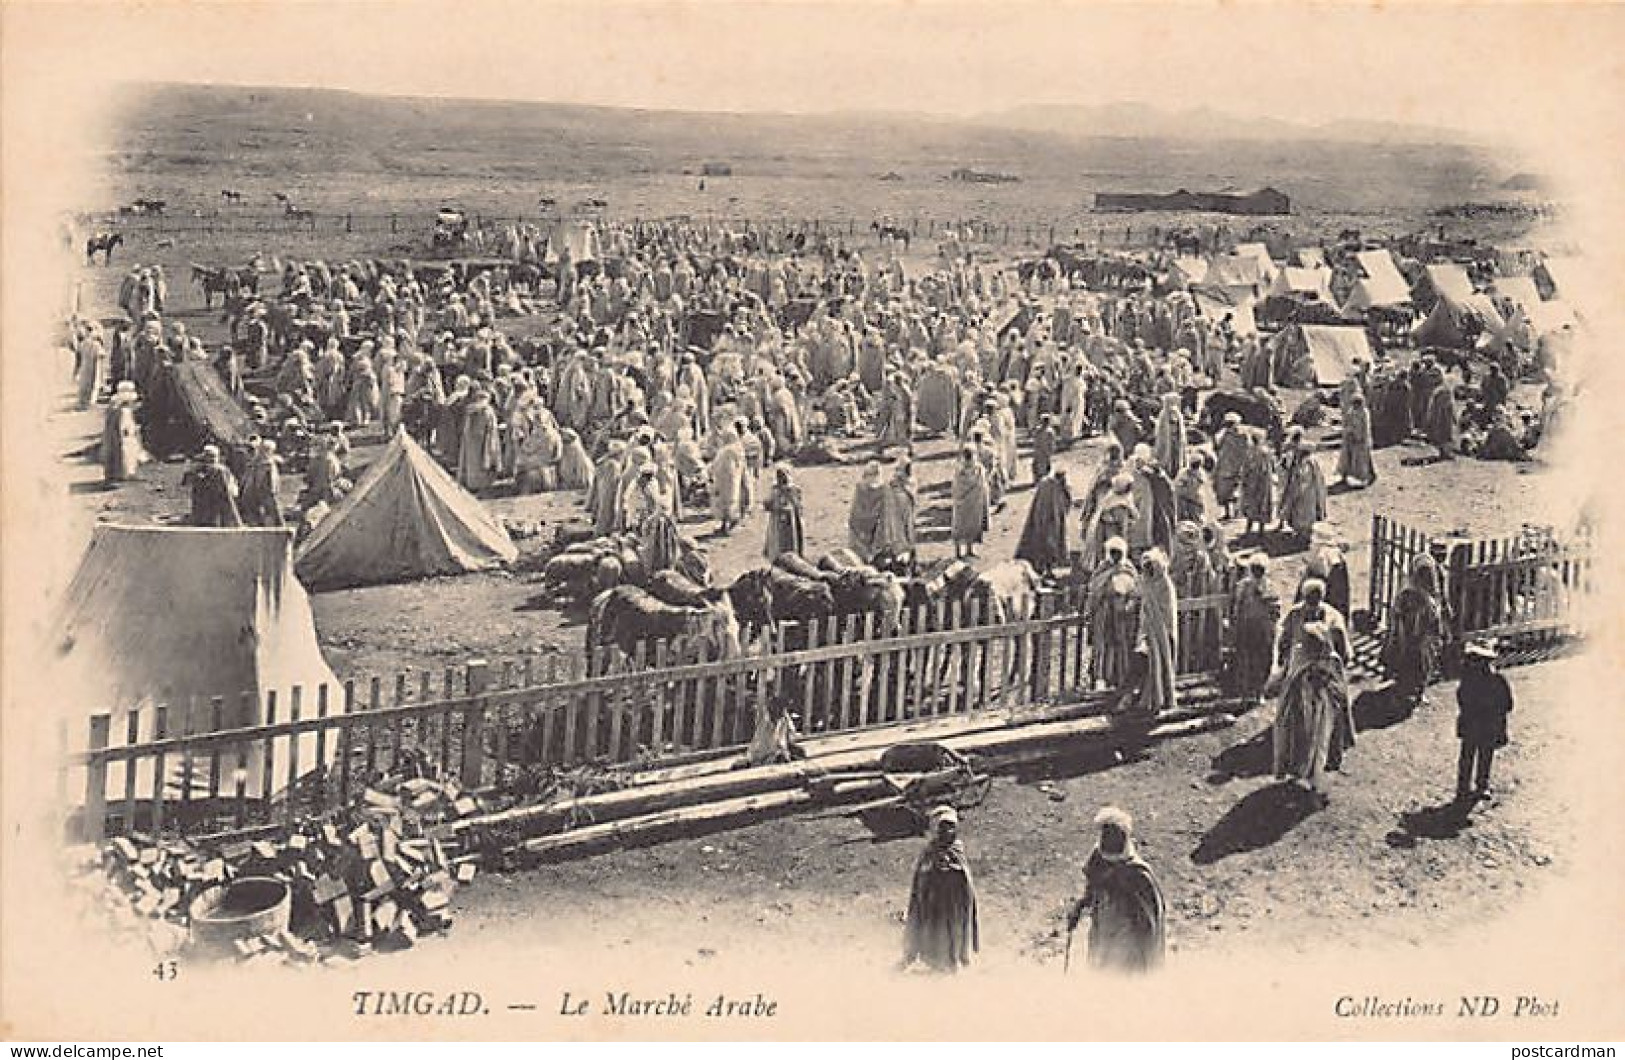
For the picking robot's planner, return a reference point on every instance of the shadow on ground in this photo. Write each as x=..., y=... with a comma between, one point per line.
x=1444, y=821
x=1257, y=821
x=1250, y=758
x=1379, y=708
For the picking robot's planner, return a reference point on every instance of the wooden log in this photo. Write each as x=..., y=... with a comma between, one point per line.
x=715, y=814
x=856, y=751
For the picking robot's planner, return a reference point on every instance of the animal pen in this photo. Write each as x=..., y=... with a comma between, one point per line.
x=170, y=769
x=1532, y=585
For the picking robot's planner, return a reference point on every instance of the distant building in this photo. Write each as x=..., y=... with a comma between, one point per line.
x=716, y=169
x=1262, y=203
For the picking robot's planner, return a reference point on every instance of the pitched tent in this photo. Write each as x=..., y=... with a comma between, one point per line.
x=1260, y=253
x=1379, y=286
x=1191, y=270
x=1527, y=324
x=1308, y=355
x=1458, y=323
x=1310, y=257
x=1238, y=275
x=407, y=518
x=580, y=237
x=1293, y=282
x=1519, y=290
x=1441, y=280
x=1215, y=305
x=161, y=616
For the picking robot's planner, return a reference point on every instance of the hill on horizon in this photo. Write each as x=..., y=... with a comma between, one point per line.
x=335, y=147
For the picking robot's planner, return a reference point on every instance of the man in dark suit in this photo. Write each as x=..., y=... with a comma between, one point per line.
x=1484, y=699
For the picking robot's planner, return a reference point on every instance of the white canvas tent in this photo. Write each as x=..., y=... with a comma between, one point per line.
x=1215, y=306
x=1260, y=253
x=1191, y=270
x=1308, y=355
x=1293, y=282
x=1442, y=280
x=1237, y=275
x=170, y=617
x=580, y=237
x=1459, y=323
x=406, y=518
x=1379, y=286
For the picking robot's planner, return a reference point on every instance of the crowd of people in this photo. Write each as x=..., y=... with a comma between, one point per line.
x=684, y=371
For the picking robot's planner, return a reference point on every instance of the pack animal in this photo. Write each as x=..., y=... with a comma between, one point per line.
x=626, y=617
x=103, y=243
x=224, y=281
x=893, y=232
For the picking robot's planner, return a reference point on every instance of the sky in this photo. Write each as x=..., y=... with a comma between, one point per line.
x=1478, y=69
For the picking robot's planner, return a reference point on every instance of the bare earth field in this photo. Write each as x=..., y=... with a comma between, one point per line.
x=1241, y=861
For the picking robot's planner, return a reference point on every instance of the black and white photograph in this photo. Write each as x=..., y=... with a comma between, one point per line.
x=757, y=521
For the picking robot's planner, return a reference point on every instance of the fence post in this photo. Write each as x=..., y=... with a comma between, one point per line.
x=1376, y=562
x=94, y=825
x=349, y=224
x=479, y=679
x=392, y=222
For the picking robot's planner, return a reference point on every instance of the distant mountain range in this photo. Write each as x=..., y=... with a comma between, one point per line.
x=1124, y=120
x=1144, y=121
x=175, y=141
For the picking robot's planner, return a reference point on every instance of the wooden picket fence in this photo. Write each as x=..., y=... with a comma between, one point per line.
x=179, y=768
x=1530, y=584
x=1527, y=585
x=1393, y=547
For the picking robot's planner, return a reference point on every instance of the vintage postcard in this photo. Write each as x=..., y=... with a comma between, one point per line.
x=766, y=521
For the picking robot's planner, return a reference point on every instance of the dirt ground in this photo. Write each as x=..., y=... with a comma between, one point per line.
x=1243, y=863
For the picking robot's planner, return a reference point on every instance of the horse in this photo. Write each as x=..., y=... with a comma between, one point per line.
x=295, y=213
x=282, y=197
x=231, y=195
x=150, y=207
x=104, y=242
x=890, y=231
